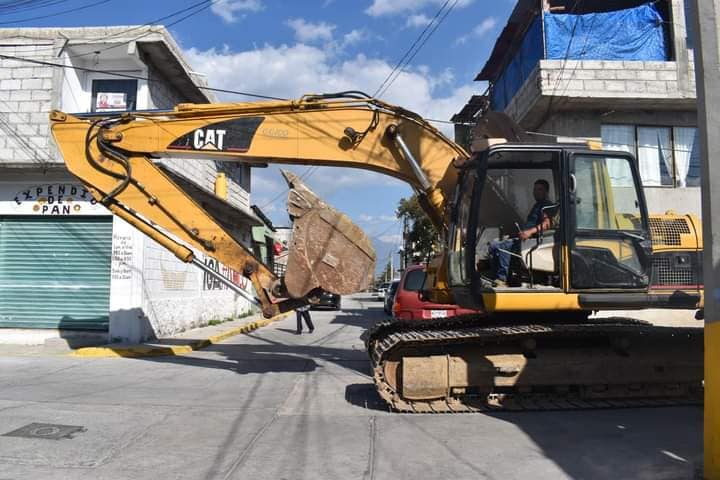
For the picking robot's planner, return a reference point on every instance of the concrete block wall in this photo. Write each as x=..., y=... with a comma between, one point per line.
x=26, y=98
x=201, y=172
x=613, y=79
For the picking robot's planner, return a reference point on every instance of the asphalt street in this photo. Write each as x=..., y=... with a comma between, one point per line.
x=274, y=405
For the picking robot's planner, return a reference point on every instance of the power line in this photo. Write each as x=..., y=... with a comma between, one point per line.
x=20, y=6
x=565, y=58
x=583, y=51
x=394, y=224
x=424, y=41
x=134, y=77
x=203, y=5
x=305, y=175
x=56, y=14
x=407, y=52
x=31, y=149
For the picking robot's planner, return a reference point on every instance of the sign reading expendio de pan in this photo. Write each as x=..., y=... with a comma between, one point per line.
x=50, y=199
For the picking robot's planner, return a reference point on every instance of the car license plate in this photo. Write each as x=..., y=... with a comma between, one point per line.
x=438, y=313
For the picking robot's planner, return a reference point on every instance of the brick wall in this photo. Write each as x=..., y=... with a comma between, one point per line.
x=25, y=101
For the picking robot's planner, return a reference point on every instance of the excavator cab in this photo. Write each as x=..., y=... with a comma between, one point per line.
x=590, y=236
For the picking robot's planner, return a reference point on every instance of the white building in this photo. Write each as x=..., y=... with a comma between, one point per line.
x=67, y=267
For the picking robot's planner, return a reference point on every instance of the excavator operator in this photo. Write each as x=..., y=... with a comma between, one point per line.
x=501, y=250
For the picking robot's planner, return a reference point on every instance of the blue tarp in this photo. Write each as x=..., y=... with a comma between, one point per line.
x=631, y=34
x=519, y=68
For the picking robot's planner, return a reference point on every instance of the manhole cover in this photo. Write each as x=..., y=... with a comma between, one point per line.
x=45, y=430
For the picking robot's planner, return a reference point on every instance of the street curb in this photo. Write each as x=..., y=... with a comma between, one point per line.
x=145, y=350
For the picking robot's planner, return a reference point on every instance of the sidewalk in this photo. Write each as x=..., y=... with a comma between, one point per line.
x=182, y=343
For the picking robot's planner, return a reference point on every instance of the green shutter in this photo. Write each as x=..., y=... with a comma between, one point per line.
x=55, y=272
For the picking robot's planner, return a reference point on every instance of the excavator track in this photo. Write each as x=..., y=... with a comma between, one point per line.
x=491, y=364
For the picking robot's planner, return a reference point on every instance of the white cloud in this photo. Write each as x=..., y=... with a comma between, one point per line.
x=228, y=9
x=417, y=20
x=395, y=239
x=394, y=7
x=311, y=32
x=355, y=36
x=291, y=71
x=486, y=26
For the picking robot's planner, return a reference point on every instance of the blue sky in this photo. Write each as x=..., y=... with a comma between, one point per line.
x=288, y=48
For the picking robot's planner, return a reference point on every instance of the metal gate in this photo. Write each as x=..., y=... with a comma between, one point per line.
x=55, y=272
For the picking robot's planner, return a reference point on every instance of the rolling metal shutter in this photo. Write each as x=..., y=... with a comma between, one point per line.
x=55, y=272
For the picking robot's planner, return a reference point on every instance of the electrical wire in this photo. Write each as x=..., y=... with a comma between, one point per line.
x=407, y=52
x=31, y=149
x=134, y=77
x=203, y=5
x=305, y=175
x=583, y=51
x=200, y=6
x=393, y=225
x=422, y=44
x=565, y=58
x=56, y=14
x=27, y=5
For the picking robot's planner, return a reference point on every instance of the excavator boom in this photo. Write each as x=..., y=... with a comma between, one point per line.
x=114, y=155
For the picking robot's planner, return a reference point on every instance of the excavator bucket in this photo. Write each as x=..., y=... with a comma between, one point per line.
x=328, y=250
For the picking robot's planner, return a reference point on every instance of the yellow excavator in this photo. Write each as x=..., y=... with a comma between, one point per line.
x=534, y=345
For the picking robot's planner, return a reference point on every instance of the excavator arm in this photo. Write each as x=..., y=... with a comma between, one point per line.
x=114, y=155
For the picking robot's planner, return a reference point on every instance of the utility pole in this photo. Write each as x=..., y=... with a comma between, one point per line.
x=707, y=75
x=406, y=233
x=392, y=266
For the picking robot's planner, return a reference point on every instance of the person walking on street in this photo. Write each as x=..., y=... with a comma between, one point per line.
x=304, y=312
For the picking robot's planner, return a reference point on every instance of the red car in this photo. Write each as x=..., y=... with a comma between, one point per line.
x=409, y=306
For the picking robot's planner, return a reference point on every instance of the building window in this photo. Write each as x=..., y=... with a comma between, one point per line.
x=114, y=95
x=667, y=156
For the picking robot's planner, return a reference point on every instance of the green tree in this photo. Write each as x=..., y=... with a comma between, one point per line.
x=422, y=240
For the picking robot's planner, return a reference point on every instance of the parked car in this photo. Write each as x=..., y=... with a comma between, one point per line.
x=390, y=296
x=379, y=293
x=408, y=304
x=331, y=300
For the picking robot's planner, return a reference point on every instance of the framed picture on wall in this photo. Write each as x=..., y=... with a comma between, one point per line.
x=114, y=95
x=110, y=101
